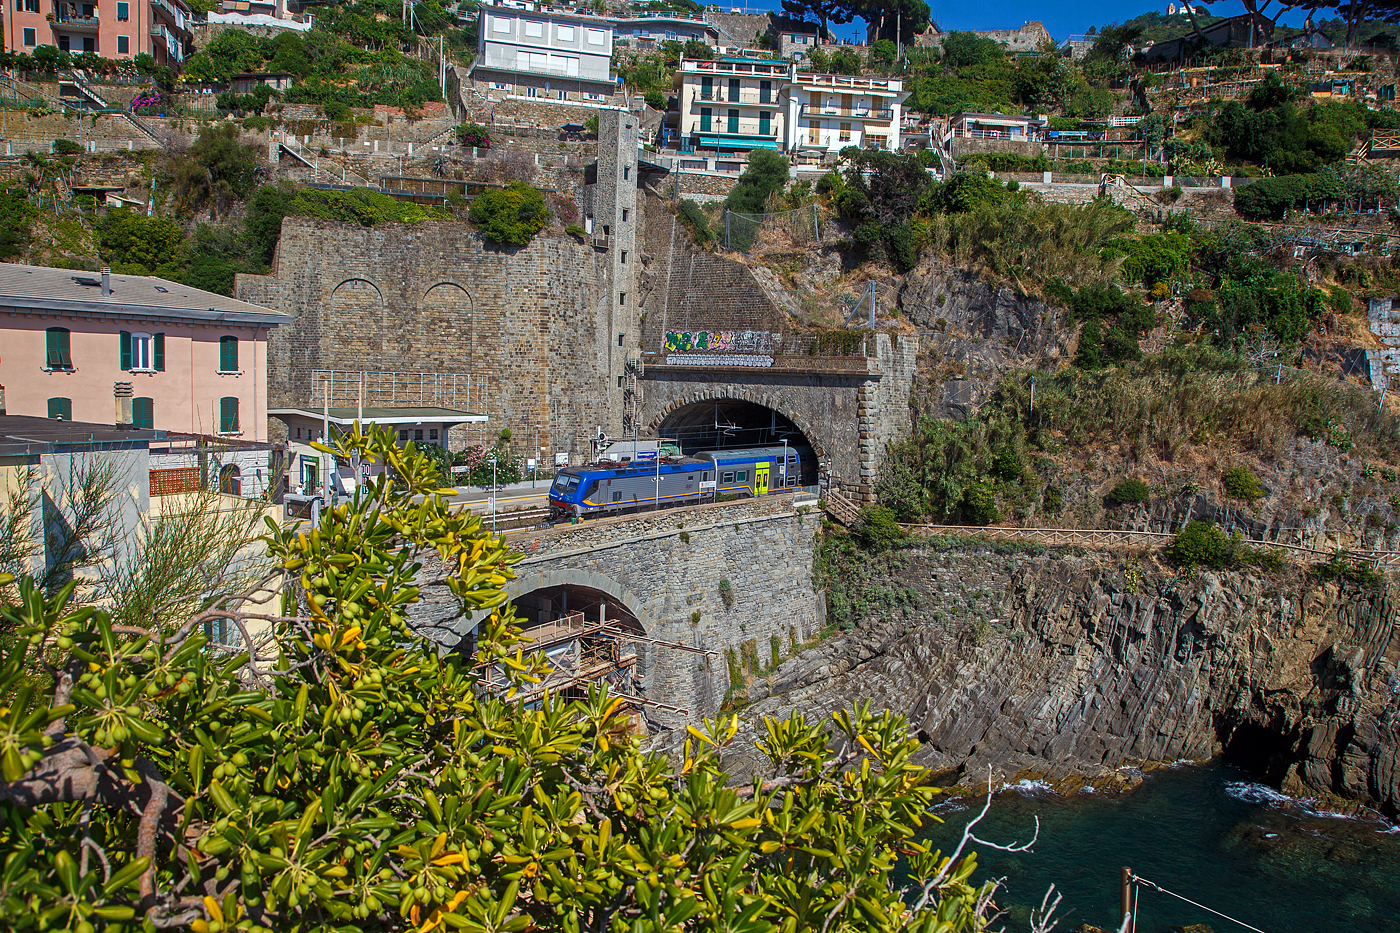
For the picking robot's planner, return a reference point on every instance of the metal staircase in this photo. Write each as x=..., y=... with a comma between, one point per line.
x=632, y=392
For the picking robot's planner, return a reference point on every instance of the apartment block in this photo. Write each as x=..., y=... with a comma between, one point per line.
x=733, y=104
x=115, y=29
x=827, y=113
x=545, y=54
x=132, y=349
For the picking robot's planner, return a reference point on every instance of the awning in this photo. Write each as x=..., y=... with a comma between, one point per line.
x=737, y=141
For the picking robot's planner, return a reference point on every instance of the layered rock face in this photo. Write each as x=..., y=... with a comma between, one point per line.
x=1072, y=667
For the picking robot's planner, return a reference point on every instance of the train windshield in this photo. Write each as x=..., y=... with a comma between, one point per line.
x=565, y=482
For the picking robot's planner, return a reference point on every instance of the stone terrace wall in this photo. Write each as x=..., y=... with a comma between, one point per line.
x=23, y=132
x=434, y=298
x=683, y=289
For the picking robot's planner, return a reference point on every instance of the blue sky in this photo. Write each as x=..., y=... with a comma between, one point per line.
x=1061, y=18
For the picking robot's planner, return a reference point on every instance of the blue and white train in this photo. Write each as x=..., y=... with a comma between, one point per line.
x=606, y=488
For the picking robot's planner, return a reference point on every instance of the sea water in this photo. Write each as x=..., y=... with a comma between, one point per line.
x=1210, y=833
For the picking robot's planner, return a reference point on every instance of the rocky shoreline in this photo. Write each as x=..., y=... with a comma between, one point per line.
x=1069, y=668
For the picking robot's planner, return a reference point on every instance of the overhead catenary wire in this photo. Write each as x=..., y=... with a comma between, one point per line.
x=1138, y=880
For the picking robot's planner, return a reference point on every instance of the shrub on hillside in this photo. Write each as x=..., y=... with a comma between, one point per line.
x=1241, y=483
x=693, y=216
x=474, y=134
x=1271, y=198
x=979, y=504
x=1128, y=492
x=1202, y=544
x=877, y=528
x=511, y=215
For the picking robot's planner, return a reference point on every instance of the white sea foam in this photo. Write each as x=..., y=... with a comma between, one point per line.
x=1030, y=788
x=1266, y=796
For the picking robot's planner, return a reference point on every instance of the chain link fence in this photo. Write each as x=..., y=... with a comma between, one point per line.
x=803, y=227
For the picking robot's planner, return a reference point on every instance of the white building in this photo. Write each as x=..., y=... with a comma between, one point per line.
x=733, y=104
x=826, y=113
x=308, y=468
x=545, y=54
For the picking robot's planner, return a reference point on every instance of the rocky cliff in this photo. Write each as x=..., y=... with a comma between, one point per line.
x=1072, y=667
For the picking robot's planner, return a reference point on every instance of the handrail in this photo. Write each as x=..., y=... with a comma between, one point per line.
x=1121, y=536
x=877, y=113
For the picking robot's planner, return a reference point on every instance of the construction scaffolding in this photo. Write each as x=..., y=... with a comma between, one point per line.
x=582, y=652
x=384, y=389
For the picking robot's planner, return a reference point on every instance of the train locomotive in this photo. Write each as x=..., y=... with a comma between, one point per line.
x=609, y=488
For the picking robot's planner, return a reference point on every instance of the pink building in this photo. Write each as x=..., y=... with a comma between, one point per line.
x=132, y=349
x=110, y=28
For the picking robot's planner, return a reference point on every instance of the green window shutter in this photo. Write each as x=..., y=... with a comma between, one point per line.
x=734, y=121
x=704, y=119
x=228, y=354
x=56, y=347
x=763, y=120
x=158, y=351
x=143, y=413
x=228, y=414
x=61, y=408
x=126, y=351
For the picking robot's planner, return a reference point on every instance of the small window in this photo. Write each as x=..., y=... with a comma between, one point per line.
x=298, y=433
x=626, y=174
x=532, y=92
x=230, y=480
x=617, y=497
x=143, y=413
x=432, y=434
x=566, y=33
x=228, y=415
x=620, y=338
x=418, y=434
x=534, y=29
x=228, y=354
x=403, y=437
x=624, y=215
x=56, y=348
x=123, y=12
x=500, y=24
x=61, y=408
x=123, y=42
x=624, y=254
x=619, y=381
x=742, y=476
x=726, y=477
x=622, y=298
x=30, y=39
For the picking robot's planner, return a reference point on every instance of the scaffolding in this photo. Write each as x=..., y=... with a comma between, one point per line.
x=581, y=652
x=348, y=388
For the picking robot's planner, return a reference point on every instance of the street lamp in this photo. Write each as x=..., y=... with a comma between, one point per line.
x=493, y=492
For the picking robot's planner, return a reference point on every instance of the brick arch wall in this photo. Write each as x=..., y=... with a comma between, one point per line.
x=449, y=331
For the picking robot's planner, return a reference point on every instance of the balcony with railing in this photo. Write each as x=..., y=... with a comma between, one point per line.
x=749, y=98
x=847, y=84
x=69, y=16
x=862, y=113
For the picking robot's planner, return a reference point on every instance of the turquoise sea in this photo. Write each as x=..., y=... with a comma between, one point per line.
x=1210, y=833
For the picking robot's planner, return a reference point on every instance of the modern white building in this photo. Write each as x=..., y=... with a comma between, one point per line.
x=826, y=113
x=545, y=54
x=646, y=31
x=733, y=104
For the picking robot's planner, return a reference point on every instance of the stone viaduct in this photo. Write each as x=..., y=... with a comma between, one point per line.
x=669, y=571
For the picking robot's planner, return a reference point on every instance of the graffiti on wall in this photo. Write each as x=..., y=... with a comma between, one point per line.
x=723, y=341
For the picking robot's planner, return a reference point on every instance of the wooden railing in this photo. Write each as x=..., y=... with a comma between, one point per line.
x=1120, y=537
